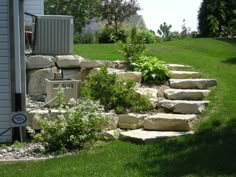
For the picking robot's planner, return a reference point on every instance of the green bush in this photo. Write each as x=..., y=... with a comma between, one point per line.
x=149, y=37
x=108, y=35
x=133, y=47
x=88, y=38
x=114, y=94
x=78, y=125
x=153, y=69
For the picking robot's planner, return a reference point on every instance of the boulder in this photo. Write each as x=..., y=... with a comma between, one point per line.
x=123, y=75
x=192, y=83
x=111, y=135
x=144, y=136
x=111, y=123
x=68, y=61
x=129, y=75
x=185, y=94
x=37, y=114
x=183, y=106
x=184, y=74
x=169, y=122
x=37, y=83
x=131, y=120
x=39, y=61
x=151, y=93
x=94, y=63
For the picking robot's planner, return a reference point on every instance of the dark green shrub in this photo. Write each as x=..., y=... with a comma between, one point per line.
x=109, y=35
x=114, y=94
x=78, y=125
x=153, y=69
x=76, y=39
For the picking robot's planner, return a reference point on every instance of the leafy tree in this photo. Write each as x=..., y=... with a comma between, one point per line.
x=82, y=10
x=217, y=17
x=165, y=32
x=115, y=12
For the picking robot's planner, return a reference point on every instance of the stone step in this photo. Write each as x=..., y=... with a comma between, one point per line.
x=146, y=136
x=185, y=94
x=184, y=74
x=169, y=122
x=192, y=83
x=177, y=66
x=131, y=120
x=183, y=106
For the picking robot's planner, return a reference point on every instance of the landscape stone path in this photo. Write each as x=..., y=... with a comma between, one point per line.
x=183, y=103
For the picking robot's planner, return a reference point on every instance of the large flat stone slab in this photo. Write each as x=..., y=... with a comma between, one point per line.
x=192, y=83
x=184, y=74
x=131, y=120
x=183, y=106
x=68, y=61
x=39, y=61
x=169, y=122
x=145, y=136
x=185, y=94
x=177, y=66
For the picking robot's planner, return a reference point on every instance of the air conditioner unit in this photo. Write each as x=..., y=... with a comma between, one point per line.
x=53, y=35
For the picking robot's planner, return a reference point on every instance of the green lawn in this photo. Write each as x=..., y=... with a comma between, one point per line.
x=210, y=152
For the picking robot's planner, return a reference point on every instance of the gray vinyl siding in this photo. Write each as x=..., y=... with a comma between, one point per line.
x=5, y=87
x=35, y=7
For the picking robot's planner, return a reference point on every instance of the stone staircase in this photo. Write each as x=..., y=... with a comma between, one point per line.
x=183, y=103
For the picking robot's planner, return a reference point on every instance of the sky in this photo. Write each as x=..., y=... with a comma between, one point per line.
x=155, y=12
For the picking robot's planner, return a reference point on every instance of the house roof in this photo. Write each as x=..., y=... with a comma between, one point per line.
x=136, y=20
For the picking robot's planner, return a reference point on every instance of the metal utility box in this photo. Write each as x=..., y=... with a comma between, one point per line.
x=71, y=89
x=54, y=35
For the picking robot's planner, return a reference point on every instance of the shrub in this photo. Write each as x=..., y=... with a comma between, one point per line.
x=149, y=37
x=78, y=125
x=133, y=47
x=88, y=38
x=114, y=94
x=153, y=69
x=108, y=35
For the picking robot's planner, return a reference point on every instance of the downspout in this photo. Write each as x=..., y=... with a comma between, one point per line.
x=17, y=58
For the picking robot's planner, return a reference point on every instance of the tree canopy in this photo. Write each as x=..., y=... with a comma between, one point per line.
x=82, y=10
x=115, y=12
x=217, y=17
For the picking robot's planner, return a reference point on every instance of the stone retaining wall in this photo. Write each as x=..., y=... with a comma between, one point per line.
x=41, y=67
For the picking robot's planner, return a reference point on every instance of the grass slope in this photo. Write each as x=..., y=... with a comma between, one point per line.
x=210, y=152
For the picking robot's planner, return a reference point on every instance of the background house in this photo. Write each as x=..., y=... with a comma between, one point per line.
x=95, y=24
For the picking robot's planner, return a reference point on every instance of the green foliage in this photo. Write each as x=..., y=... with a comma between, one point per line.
x=149, y=36
x=77, y=126
x=133, y=47
x=88, y=38
x=164, y=32
x=217, y=18
x=60, y=97
x=108, y=35
x=115, y=12
x=114, y=94
x=82, y=10
x=153, y=69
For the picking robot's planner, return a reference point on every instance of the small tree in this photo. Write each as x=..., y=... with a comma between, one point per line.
x=82, y=10
x=165, y=32
x=115, y=12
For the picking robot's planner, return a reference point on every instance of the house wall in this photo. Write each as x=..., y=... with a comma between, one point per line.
x=5, y=85
x=35, y=7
